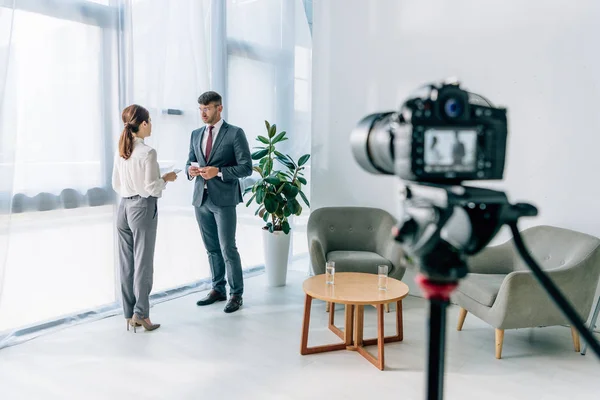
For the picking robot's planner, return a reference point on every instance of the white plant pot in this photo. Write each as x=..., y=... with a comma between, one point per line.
x=277, y=248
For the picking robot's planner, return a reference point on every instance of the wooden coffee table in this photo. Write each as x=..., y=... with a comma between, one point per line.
x=355, y=290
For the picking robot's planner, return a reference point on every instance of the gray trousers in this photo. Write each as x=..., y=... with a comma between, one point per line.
x=217, y=226
x=137, y=220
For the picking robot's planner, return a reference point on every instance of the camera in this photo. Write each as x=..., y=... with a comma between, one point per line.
x=441, y=134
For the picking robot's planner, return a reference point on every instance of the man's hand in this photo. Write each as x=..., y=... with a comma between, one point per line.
x=209, y=172
x=194, y=171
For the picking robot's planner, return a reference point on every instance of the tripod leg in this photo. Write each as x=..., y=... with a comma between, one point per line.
x=437, y=336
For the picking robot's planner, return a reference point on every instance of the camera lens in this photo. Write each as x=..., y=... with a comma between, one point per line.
x=373, y=144
x=453, y=108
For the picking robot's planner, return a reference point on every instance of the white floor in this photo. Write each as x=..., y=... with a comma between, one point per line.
x=203, y=353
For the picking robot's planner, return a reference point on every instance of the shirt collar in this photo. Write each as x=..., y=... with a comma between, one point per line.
x=217, y=126
x=138, y=140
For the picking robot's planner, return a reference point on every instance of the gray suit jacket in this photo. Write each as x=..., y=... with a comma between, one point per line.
x=231, y=154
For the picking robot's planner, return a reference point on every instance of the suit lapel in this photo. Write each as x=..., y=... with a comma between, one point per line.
x=200, y=145
x=218, y=141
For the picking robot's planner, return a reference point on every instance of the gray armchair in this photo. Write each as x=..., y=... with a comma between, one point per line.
x=501, y=290
x=358, y=239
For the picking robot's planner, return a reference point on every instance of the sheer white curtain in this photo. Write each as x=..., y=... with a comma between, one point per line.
x=6, y=140
x=57, y=71
x=65, y=78
x=171, y=67
x=269, y=74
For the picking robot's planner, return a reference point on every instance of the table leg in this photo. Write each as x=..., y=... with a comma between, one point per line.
x=399, y=329
x=304, y=349
x=379, y=361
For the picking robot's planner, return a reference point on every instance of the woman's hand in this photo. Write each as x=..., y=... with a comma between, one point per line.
x=169, y=177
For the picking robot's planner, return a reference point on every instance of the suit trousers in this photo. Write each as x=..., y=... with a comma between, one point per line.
x=217, y=226
x=137, y=220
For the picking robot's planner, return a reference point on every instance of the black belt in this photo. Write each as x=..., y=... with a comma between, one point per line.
x=137, y=196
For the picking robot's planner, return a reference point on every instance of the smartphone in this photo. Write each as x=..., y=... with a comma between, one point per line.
x=195, y=164
x=177, y=170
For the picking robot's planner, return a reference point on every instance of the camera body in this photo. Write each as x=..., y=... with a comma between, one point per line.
x=442, y=135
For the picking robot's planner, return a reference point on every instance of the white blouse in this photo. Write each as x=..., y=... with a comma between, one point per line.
x=140, y=174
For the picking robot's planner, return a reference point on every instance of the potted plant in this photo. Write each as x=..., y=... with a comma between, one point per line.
x=276, y=194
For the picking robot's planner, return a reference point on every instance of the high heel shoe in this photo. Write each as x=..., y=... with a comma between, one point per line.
x=137, y=321
x=128, y=320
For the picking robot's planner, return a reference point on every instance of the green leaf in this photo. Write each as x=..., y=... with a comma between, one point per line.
x=248, y=189
x=259, y=154
x=271, y=203
x=273, y=180
x=263, y=139
x=290, y=191
x=303, y=159
x=298, y=184
x=287, y=210
x=267, y=125
x=294, y=206
x=278, y=137
x=304, y=198
x=272, y=130
x=258, y=169
x=260, y=195
x=268, y=167
x=285, y=226
x=285, y=162
x=278, y=154
x=266, y=216
x=302, y=180
x=299, y=211
x=250, y=201
x=291, y=159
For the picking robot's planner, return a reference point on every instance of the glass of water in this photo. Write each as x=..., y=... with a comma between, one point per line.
x=329, y=272
x=382, y=281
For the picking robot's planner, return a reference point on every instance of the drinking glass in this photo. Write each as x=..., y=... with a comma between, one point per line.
x=330, y=272
x=382, y=272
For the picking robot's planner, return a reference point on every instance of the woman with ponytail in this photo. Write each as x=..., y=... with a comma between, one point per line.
x=136, y=178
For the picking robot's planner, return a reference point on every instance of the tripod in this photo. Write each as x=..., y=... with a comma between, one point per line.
x=445, y=225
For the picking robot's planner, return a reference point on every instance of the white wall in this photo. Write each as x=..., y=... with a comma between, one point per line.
x=538, y=58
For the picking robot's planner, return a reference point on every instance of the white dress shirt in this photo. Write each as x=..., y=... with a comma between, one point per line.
x=140, y=174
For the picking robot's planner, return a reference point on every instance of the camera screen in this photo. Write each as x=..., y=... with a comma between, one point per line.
x=450, y=150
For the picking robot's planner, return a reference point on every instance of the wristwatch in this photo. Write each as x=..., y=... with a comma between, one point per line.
x=220, y=174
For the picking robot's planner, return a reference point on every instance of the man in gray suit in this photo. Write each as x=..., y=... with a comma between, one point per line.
x=222, y=155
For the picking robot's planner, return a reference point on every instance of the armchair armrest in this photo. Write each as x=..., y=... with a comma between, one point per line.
x=392, y=250
x=317, y=248
x=523, y=302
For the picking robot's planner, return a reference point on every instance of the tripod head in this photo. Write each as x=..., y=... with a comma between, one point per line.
x=445, y=224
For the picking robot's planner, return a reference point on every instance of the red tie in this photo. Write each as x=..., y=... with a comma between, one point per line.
x=209, y=143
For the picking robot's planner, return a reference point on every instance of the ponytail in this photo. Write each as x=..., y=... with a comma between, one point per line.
x=132, y=117
x=126, y=142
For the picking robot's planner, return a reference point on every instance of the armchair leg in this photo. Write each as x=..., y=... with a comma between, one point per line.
x=499, y=341
x=387, y=307
x=461, y=318
x=575, y=336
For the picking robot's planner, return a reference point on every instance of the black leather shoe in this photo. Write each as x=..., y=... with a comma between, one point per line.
x=212, y=297
x=234, y=304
